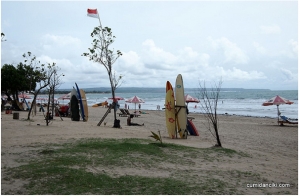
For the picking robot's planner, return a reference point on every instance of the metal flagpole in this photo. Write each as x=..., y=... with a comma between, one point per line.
x=99, y=19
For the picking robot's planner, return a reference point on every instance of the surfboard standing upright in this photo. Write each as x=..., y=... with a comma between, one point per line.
x=180, y=107
x=74, y=106
x=170, y=110
x=85, y=106
x=80, y=102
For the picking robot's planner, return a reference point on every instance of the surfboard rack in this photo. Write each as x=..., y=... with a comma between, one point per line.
x=179, y=106
x=57, y=111
x=106, y=113
x=176, y=112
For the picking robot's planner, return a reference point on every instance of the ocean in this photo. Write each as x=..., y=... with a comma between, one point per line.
x=243, y=102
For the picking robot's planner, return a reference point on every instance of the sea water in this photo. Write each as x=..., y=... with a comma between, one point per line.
x=244, y=102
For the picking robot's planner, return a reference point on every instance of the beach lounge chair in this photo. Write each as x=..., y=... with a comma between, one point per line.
x=128, y=113
x=284, y=119
x=123, y=113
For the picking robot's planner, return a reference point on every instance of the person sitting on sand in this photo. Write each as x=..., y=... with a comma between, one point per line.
x=142, y=112
x=129, y=123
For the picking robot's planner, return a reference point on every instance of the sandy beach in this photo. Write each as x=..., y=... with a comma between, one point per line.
x=272, y=149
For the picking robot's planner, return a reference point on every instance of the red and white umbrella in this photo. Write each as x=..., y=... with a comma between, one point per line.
x=117, y=98
x=135, y=100
x=41, y=99
x=24, y=96
x=188, y=98
x=277, y=100
x=66, y=96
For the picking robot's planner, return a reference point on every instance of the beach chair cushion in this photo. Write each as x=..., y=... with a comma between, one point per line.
x=284, y=119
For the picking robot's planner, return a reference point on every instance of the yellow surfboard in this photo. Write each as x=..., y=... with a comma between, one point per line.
x=170, y=110
x=85, y=106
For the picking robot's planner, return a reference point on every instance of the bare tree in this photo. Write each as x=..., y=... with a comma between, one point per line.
x=209, y=103
x=102, y=53
x=39, y=76
x=54, y=83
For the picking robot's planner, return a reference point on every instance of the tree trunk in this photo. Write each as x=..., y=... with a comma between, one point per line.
x=48, y=105
x=115, y=103
x=218, y=139
x=215, y=124
x=33, y=102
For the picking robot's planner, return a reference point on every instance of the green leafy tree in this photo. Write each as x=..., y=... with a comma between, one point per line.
x=13, y=81
x=10, y=81
x=102, y=53
x=2, y=37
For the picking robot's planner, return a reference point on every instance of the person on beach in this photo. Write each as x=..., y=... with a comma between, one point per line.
x=142, y=112
x=129, y=123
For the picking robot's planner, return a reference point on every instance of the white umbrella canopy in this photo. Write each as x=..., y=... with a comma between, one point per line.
x=277, y=100
x=135, y=100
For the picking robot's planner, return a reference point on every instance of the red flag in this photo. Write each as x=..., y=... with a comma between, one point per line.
x=92, y=13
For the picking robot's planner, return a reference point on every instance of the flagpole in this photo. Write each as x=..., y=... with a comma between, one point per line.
x=99, y=19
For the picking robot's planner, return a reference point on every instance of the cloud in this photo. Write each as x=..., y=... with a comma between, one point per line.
x=155, y=66
x=130, y=62
x=259, y=48
x=61, y=46
x=60, y=40
x=272, y=29
x=238, y=74
x=230, y=50
x=156, y=57
x=288, y=75
x=294, y=46
x=291, y=50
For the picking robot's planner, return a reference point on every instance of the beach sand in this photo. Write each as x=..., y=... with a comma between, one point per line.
x=272, y=149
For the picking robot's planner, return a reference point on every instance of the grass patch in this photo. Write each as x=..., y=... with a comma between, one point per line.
x=65, y=169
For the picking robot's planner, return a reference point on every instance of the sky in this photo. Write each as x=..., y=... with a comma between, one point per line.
x=246, y=44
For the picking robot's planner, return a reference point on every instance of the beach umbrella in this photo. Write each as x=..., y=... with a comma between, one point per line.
x=277, y=100
x=24, y=96
x=41, y=99
x=135, y=100
x=188, y=98
x=66, y=96
x=117, y=98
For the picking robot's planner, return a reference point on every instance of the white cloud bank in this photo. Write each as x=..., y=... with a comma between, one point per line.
x=230, y=50
x=154, y=66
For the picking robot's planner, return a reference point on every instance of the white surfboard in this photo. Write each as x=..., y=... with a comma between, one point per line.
x=180, y=107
